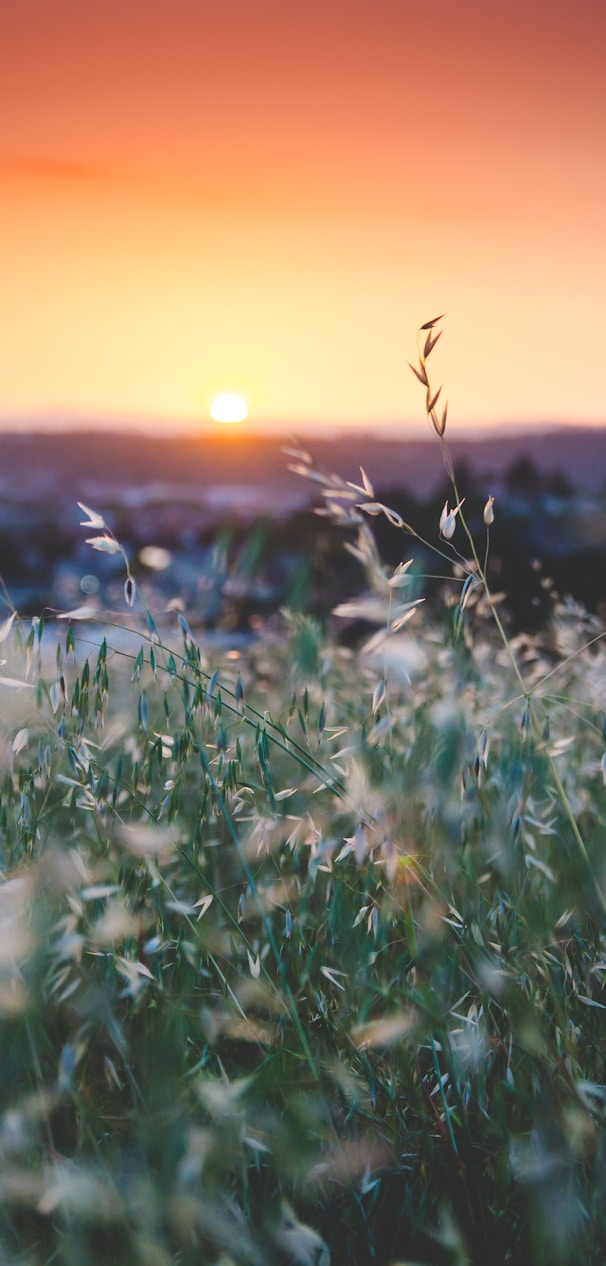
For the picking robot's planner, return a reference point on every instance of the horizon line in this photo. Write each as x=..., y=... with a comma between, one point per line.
x=137, y=426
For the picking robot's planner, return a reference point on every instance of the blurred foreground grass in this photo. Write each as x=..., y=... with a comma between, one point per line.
x=299, y=954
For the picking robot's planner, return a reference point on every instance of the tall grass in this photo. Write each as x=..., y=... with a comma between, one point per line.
x=303, y=950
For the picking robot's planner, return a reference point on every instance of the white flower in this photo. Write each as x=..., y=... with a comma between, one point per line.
x=489, y=512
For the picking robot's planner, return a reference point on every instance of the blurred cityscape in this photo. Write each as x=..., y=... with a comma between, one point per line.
x=222, y=528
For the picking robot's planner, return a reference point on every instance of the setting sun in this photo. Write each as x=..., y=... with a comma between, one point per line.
x=229, y=408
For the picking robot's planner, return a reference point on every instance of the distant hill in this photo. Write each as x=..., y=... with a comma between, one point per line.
x=80, y=464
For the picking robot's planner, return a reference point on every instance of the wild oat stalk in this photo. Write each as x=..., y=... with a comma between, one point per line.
x=479, y=574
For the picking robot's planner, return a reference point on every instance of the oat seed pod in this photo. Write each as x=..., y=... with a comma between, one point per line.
x=448, y=520
x=449, y=526
x=489, y=512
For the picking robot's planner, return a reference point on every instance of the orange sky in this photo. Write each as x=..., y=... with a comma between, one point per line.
x=269, y=197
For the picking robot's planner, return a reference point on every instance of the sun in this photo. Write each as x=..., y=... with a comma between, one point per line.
x=229, y=408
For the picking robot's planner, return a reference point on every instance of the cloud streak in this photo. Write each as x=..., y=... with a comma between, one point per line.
x=51, y=169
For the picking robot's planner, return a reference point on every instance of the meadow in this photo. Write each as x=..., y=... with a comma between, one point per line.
x=303, y=946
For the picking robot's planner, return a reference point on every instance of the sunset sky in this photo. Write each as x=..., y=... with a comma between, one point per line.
x=269, y=197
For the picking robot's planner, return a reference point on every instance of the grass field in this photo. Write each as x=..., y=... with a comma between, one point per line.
x=303, y=949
